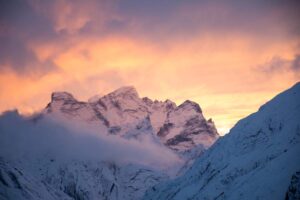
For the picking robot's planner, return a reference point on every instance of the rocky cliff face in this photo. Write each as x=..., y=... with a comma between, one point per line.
x=293, y=191
x=182, y=128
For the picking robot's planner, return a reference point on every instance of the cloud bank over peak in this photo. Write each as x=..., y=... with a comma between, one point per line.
x=58, y=140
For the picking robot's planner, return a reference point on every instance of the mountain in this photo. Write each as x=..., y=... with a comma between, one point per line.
x=121, y=146
x=258, y=159
x=112, y=147
x=182, y=128
x=47, y=160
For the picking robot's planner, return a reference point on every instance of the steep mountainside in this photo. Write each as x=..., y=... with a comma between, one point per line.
x=258, y=159
x=47, y=179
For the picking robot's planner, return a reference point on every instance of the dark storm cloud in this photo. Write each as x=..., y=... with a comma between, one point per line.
x=16, y=55
x=19, y=16
x=25, y=23
x=20, y=25
x=35, y=21
x=256, y=18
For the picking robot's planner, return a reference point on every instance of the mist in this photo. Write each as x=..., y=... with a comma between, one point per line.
x=22, y=137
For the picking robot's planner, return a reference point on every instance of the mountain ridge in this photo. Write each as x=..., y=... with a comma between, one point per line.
x=257, y=159
x=120, y=111
x=54, y=156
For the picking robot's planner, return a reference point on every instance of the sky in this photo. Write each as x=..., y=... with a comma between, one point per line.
x=229, y=56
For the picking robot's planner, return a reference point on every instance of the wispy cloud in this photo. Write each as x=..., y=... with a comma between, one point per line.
x=280, y=65
x=59, y=141
x=295, y=66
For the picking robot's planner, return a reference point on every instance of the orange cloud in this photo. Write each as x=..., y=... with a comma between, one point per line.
x=217, y=73
x=216, y=57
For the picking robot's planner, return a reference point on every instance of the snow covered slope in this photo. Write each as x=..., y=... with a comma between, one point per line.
x=112, y=147
x=75, y=180
x=258, y=159
x=48, y=160
x=182, y=128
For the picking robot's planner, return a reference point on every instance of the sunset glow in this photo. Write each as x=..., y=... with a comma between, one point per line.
x=228, y=56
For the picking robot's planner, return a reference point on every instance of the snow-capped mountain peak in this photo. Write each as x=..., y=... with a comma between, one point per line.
x=190, y=105
x=62, y=96
x=125, y=92
x=181, y=128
